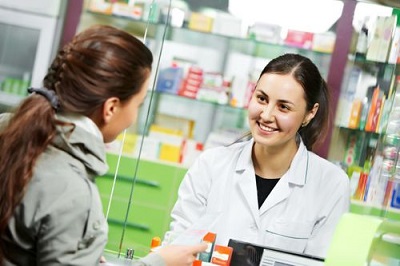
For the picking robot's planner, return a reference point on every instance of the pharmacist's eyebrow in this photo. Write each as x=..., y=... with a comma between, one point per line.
x=284, y=101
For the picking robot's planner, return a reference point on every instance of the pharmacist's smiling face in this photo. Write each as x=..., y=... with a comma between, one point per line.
x=276, y=110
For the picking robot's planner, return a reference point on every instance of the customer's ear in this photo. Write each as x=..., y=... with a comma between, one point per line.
x=110, y=107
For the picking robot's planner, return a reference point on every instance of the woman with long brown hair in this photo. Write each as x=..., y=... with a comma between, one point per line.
x=52, y=147
x=272, y=189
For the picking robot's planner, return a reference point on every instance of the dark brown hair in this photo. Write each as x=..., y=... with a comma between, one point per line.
x=99, y=63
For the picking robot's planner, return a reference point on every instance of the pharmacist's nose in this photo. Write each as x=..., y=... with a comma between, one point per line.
x=268, y=113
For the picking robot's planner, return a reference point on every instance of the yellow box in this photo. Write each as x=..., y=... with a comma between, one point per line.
x=355, y=114
x=165, y=130
x=129, y=143
x=200, y=22
x=170, y=153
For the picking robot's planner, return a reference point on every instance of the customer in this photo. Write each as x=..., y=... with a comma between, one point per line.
x=271, y=190
x=52, y=148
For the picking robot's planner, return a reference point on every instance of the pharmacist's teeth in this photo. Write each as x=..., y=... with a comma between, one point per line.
x=266, y=128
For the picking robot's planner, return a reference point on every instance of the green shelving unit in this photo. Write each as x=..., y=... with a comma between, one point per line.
x=134, y=222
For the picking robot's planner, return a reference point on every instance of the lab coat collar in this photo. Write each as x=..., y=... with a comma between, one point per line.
x=245, y=161
x=246, y=180
x=297, y=175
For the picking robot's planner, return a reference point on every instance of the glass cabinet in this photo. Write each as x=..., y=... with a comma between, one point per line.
x=365, y=134
x=27, y=45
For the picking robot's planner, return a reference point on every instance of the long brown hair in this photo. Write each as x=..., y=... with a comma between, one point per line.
x=99, y=63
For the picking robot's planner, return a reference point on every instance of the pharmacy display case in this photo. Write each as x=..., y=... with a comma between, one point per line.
x=365, y=133
x=30, y=35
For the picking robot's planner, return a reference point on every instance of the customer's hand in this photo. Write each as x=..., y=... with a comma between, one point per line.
x=175, y=255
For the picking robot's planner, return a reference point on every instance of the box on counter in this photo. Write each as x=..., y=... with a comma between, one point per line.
x=222, y=255
x=209, y=239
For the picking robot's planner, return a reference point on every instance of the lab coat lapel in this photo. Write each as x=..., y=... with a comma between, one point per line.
x=247, y=181
x=295, y=176
x=278, y=194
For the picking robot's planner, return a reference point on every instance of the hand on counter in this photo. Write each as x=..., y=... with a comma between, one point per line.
x=177, y=255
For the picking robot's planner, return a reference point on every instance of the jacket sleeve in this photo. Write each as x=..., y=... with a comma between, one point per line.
x=152, y=259
x=192, y=197
x=74, y=231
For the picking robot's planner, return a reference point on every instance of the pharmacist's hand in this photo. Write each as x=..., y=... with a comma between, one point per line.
x=175, y=255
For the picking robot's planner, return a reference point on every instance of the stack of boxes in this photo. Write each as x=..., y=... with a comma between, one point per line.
x=192, y=82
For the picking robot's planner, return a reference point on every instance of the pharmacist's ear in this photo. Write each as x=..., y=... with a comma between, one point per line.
x=310, y=115
x=110, y=109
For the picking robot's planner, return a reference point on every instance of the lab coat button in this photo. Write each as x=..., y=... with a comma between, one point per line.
x=96, y=225
x=253, y=227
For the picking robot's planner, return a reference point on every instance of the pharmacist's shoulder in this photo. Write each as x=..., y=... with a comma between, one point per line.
x=327, y=168
x=226, y=151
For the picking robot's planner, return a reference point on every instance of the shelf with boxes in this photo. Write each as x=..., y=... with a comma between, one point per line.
x=362, y=114
x=174, y=129
x=178, y=14
x=370, y=152
x=209, y=47
x=203, y=79
x=366, y=132
x=144, y=190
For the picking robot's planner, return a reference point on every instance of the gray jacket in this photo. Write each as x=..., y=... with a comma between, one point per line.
x=60, y=220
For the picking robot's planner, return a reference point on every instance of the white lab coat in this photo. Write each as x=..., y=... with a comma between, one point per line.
x=219, y=194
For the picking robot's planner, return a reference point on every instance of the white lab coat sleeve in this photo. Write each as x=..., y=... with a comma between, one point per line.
x=192, y=194
x=336, y=203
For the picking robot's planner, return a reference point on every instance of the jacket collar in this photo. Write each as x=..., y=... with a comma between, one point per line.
x=83, y=141
x=85, y=145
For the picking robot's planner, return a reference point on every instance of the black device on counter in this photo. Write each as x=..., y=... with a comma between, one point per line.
x=248, y=254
